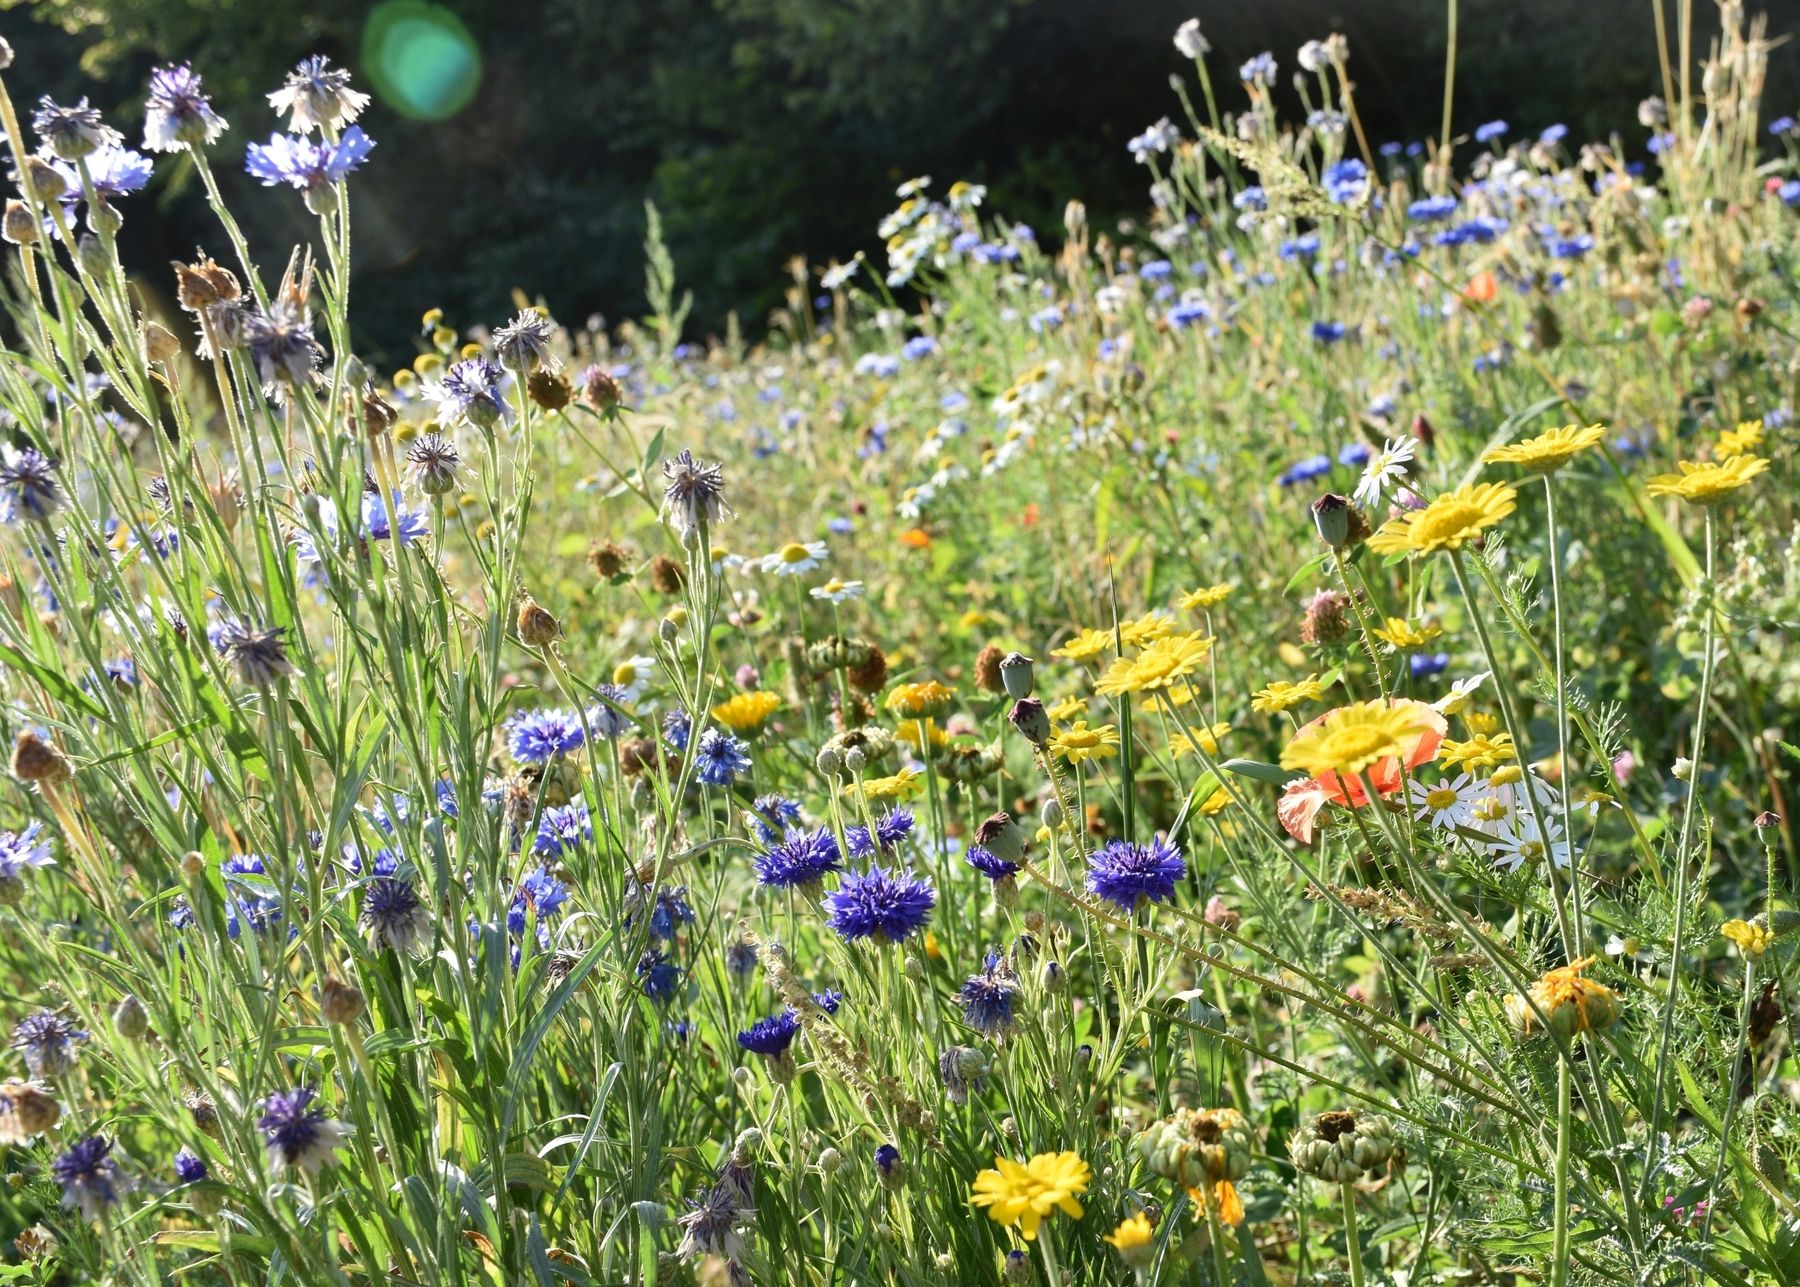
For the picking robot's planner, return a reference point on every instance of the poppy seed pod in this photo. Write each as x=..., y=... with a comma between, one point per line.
x=1032, y=721
x=1000, y=836
x=1016, y=675
x=1341, y=1147
x=129, y=1018
x=1331, y=515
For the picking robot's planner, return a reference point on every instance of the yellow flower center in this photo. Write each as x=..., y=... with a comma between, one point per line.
x=1440, y=797
x=794, y=552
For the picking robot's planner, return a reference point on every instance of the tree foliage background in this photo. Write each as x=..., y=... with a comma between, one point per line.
x=769, y=128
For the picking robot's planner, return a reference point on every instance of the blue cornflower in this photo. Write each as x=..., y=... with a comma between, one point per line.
x=658, y=976
x=1782, y=125
x=296, y=1133
x=670, y=910
x=1346, y=181
x=189, y=1169
x=446, y=799
x=1186, y=313
x=989, y=864
x=678, y=726
x=799, y=860
x=48, y=1042
x=540, y=892
x=919, y=346
x=987, y=997
x=90, y=1178
x=251, y=899
x=879, y=906
x=1299, y=247
x=470, y=390
x=771, y=1036
x=178, y=113
x=1789, y=193
x=828, y=1000
x=1328, y=332
x=310, y=165
x=1424, y=665
x=1570, y=247
x=741, y=957
x=1551, y=135
x=1129, y=875
x=1354, y=454
x=1391, y=149
x=393, y=914
x=1431, y=209
x=1260, y=70
x=880, y=365
x=889, y=832
x=1305, y=471
x=113, y=172
x=22, y=849
x=769, y=812
x=1489, y=132
x=1252, y=198
x=535, y=736
x=720, y=758
x=29, y=490
x=564, y=828
x=72, y=132
x=317, y=96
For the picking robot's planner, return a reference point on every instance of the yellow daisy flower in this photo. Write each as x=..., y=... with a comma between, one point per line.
x=746, y=713
x=1481, y=721
x=1067, y=709
x=907, y=784
x=916, y=732
x=1208, y=597
x=1352, y=738
x=1216, y=803
x=1078, y=743
x=923, y=700
x=1549, y=451
x=1400, y=636
x=1282, y=694
x=1449, y=522
x=1023, y=1193
x=1134, y=1239
x=1161, y=664
x=1146, y=629
x=1751, y=938
x=1087, y=645
x=1479, y=753
x=1709, y=483
x=1743, y=440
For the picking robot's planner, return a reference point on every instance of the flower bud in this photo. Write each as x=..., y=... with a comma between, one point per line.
x=537, y=627
x=1331, y=515
x=160, y=343
x=193, y=863
x=1016, y=675
x=855, y=760
x=340, y=1003
x=19, y=227
x=830, y=1161
x=828, y=762
x=36, y=761
x=129, y=1018
x=46, y=182
x=1032, y=721
x=1050, y=813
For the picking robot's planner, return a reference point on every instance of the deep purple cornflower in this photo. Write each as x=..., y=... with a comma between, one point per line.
x=19, y=850
x=90, y=1177
x=536, y=736
x=887, y=1158
x=539, y=891
x=741, y=957
x=669, y=912
x=178, y=113
x=311, y=166
x=394, y=915
x=296, y=1133
x=72, y=132
x=470, y=390
x=987, y=997
x=564, y=829
x=989, y=865
x=720, y=758
x=317, y=95
x=189, y=1169
x=48, y=1042
x=879, y=906
x=1426, y=664
x=769, y=812
x=799, y=860
x=29, y=491
x=770, y=1036
x=890, y=831
x=1328, y=332
x=829, y=1000
x=658, y=976
x=252, y=900
x=1128, y=874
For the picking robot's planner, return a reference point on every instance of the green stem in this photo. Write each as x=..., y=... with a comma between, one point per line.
x=1352, y=1243
x=1559, y=1262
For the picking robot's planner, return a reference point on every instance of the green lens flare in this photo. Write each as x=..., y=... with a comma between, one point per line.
x=421, y=59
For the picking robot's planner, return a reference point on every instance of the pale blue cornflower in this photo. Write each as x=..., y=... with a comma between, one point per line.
x=178, y=114
x=312, y=167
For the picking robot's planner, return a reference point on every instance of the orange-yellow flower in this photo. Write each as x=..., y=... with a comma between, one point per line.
x=1024, y=1193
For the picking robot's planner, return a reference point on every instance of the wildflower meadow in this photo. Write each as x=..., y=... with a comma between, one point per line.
x=1249, y=745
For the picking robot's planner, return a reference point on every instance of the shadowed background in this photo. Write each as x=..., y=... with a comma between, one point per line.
x=519, y=141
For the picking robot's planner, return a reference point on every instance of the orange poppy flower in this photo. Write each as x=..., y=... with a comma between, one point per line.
x=915, y=538
x=1481, y=288
x=1301, y=801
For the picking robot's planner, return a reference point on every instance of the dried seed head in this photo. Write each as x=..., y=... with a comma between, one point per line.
x=37, y=761
x=537, y=627
x=340, y=1003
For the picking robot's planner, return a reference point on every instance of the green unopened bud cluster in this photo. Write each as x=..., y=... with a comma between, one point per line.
x=1198, y=1147
x=1342, y=1147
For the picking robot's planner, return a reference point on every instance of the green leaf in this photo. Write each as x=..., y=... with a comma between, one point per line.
x=1273, y=774
x=1307, y=571
x=54, y=682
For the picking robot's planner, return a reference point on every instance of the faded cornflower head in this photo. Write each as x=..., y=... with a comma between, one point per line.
x=49, y=1043
x=72, y=132
x=470, y=391
x=296, y=1132
x=695, y=494
x=524, y=342
x=317, y=96
x=394, y=915
x=178, y=113
x=29, y=491
x=282, y=343
x=90, y=1177
x=1188, y=40
x=259, y=654
x=26, y=1110
x=432, y=463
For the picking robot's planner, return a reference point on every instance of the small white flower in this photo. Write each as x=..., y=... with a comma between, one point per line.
x=838, y=275
x=1449, y=803
x=1523, y=843
x=1454, y=701
x=1189, y=41
x=836, y=591
x=913, y=187
x=1683, y=768
x=633, y=675
x=795, y=558
x=1386, y=466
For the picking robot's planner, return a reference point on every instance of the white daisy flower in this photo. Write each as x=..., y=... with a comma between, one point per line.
x=1448, y=804
x=1386, y=466
x=1523, y=843
x=634, y=675
x=836, y=591
x=838, y=275
x=1453, y=702
x=795, y=558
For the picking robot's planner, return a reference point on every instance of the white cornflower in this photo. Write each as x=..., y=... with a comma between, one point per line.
x=839, y=275
x=1385, y=466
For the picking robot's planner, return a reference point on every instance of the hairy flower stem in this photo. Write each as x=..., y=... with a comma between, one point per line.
x=1666, y=1029
x=1559, y=1254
